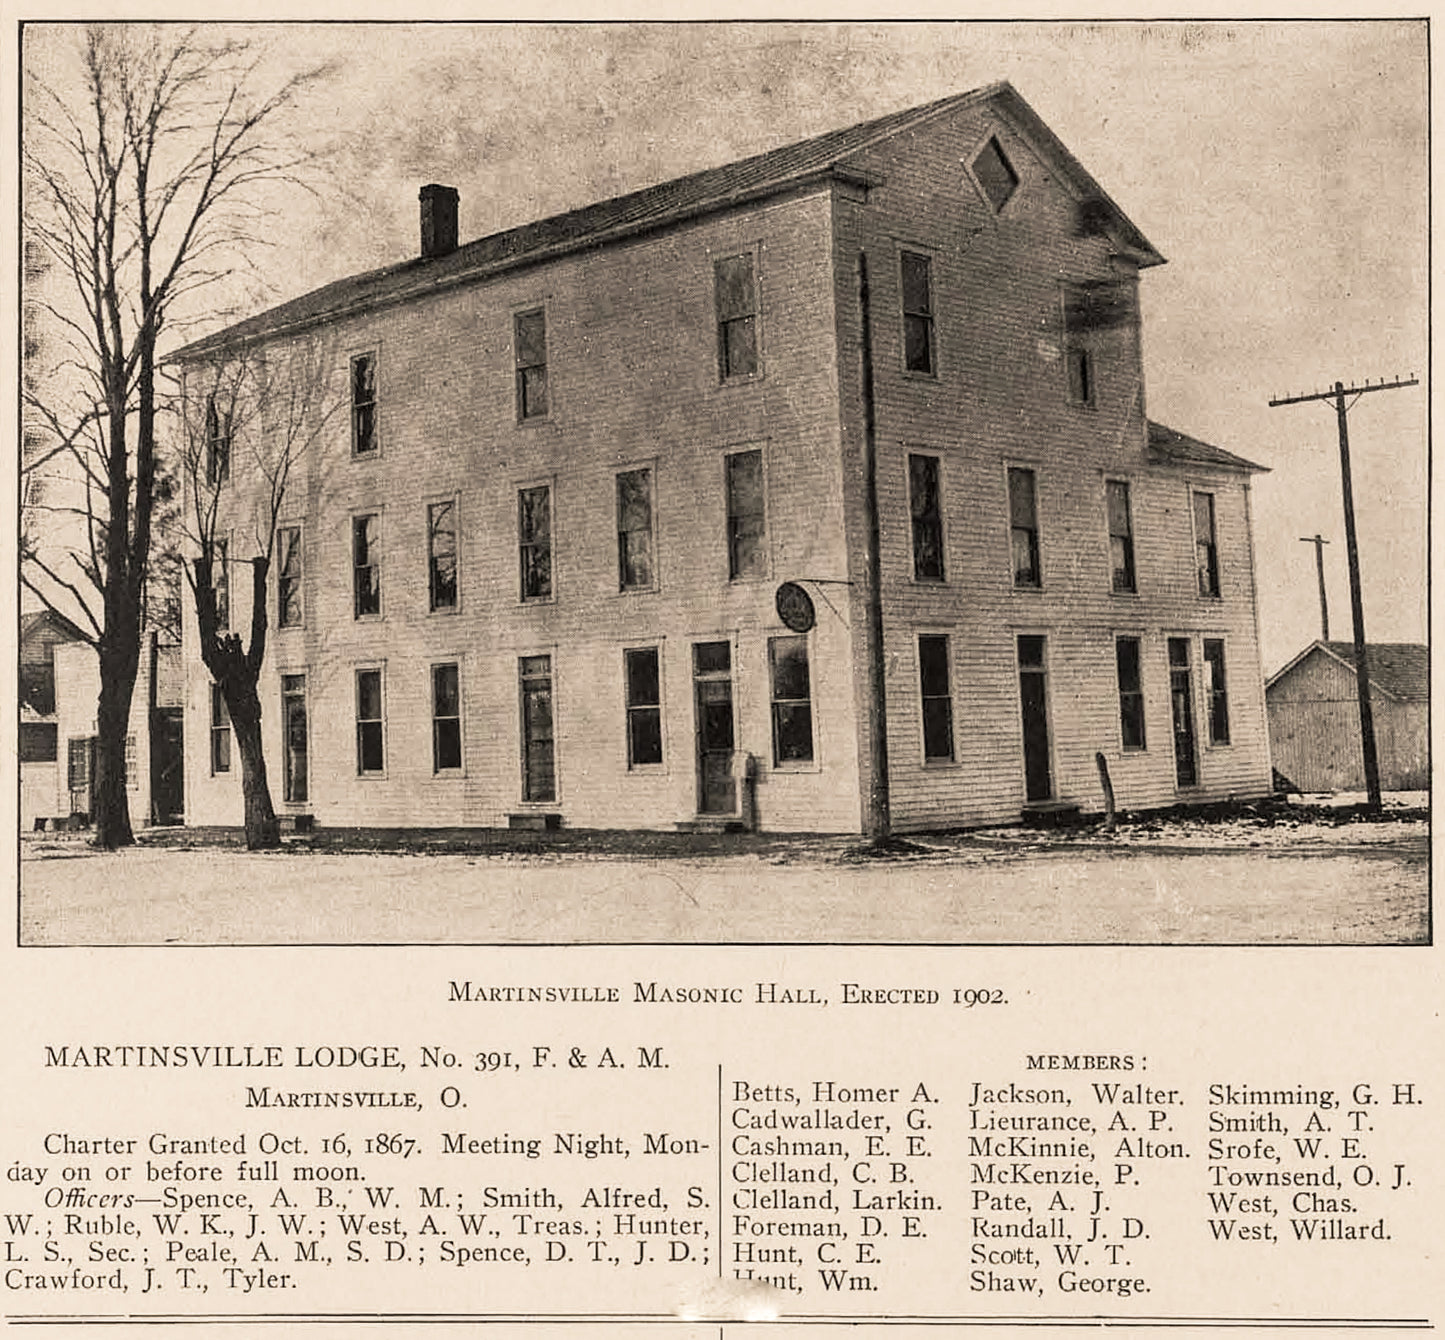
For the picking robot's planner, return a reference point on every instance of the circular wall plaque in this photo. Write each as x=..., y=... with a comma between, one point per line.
x=795, y=607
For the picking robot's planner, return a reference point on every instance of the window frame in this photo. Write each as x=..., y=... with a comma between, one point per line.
x=452, y=501
x=287, y=798
x=1216, y=697
x=630, y=709
x=298, y=579
x=1012, y=468
x=1212, y=543
x=1133, y=696
x=221, y=568
x=521, y=369
x=929, y=315
x=220, y=730
x=764, y=567
x=941, y=526
x=356, y=408
x=522, y=545
x=719, y=257
x=220, y=434
x=649, y=468
x=1078, y=347
x=992, y=140
x=780, y=764
x=460, y=767
x=370, y=616
x=132, y=762
x=377, y=668
x=936, y=760
x=1132, y=589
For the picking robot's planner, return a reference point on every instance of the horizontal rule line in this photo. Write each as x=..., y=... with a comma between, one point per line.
x=671, y=1319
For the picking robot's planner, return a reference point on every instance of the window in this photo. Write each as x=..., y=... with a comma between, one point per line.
x=1080, y=364
x=218, y=444
x=747, y=556
x=80, y=750
x=995, y=174
x=1206, y=552
x=644, y=706
x=370, y=724
x=294, y=738
x=1131, y=692
x=446, y=719
x=221, y=580
x=792, y=700
x=1218, y=691
x=529, y=343
x=923, y=498
x=363, y=404
x=1086, y=309
x=917, y=313
x=634, y=529
x=366, y=564
x=220, y=732
x=737, y=317
x=441, y=538
x=937, y=697
x=132, y=766
x=1121, y=535
x=1024, y=527
x=539, y=773
x=288, y=577
x=534, y=539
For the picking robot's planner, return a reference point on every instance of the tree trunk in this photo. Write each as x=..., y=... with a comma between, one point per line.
x=263, y=830
x=111, y=807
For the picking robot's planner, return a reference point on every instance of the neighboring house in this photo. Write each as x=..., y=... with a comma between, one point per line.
x=59, y=670
x=1314, y=717
x=592, y=545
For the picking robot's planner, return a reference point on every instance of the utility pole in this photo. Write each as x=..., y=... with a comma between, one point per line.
x=1357, y=608
x=1319, y=543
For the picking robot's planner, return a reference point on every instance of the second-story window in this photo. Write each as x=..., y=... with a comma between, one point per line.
x=634, y=529
x=924, y=503
x=1206, y=551
x=441, y=531
x=747, y=552
x=534, y=541
x=1024, y=527
x=1121, y=535
x=288, y=577
x=366, y=564
x=363, y=404
x=737, y=317
x=218, y=444
x=221, y=580
x=917, y=313
x=529, y=339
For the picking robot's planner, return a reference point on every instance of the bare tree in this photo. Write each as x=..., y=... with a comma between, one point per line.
x=143, y=185
x=250, y=421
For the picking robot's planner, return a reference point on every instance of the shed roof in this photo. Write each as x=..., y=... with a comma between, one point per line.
x=1170, y=447
x=1400, y=670
x=654, y=207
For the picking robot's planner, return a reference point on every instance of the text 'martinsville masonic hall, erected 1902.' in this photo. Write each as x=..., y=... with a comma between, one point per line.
x=589, y=541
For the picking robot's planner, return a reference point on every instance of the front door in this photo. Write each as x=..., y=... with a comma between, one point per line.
x=167, y=755
x=1186, y=771
x=293, y=728
x=1034, y=698
x=712, y=677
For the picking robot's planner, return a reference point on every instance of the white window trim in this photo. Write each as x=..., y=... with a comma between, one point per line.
x=379, y=512
x=1206, y=696
x=1072, y=341
x=1114, y=477
x=1213, y=492
x=814, y=764
x=298, y=525
x=995, y=132
x=631, y=769
x=372, y=347
x=948, y=635
x=767, y=574
x=930, y=254
x=357, y=669
x=427, y=503
x=1034, y=468
x=549, y=482
x=282, y=671
x=521, y=744
x=459, y=661
x=650, y=464
x=1136, y=635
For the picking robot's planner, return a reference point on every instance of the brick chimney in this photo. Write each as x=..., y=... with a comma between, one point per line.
x=438, y=220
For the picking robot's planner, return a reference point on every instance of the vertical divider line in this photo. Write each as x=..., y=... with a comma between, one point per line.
x=719, y=1175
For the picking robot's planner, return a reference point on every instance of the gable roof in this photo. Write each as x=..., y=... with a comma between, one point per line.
x=34, y=623
x=1399, y=670
x=732, y=184
x=1169, y=447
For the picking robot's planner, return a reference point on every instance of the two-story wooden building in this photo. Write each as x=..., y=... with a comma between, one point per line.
x=620, y=496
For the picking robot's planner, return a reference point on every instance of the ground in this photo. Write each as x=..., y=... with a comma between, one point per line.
x=1305, y=873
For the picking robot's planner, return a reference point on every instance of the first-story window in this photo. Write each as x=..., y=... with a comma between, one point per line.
x=1024, y=527
x=1131, y=692
x=293, y=738
x=446, y=718
x=1218, y=691
x=634, y=529
x=220, y=732
x=288, y=577
x=534, y=541
x=937, y=695
x=539, y=770
x=644, y=706
x=441, y=532
x=366, y=564
x=792, y=700
x=370, y=723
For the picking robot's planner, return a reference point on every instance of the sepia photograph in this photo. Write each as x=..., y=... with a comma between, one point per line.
x=731, y=483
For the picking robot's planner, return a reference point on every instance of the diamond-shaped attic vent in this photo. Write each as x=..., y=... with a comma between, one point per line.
x=995, y=173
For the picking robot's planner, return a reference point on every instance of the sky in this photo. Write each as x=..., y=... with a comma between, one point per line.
x=1281, y=168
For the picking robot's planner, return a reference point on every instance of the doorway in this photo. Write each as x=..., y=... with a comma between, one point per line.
x=1181, y=697
x=712, y=679
x=1034, y=700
